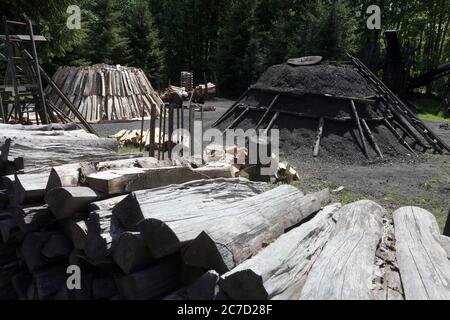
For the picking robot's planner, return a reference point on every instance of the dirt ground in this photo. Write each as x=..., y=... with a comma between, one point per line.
x=421, y=181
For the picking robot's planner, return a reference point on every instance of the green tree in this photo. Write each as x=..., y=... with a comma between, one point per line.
x=106, y=41
x=234, y=57
x=145, y=47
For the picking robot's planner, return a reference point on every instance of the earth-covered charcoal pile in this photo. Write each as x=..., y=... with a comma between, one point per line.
x=103, y=92
x=334, y=110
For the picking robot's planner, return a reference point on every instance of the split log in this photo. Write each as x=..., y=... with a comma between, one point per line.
x=186, y=200
x=32, y=218
x=114, y=181
x=78, y=233
x=9, y=231
x=151, y=283
x=423, y=262
x=32, y=247
x=131, y=253
x=20, y=282
x=319, y=137
x=447, y=226
x=358, y=124
x=344, y=268
x=103, y=229
x=279, y=271
x=7, y=254
x=66, y=202
x=227, y=242
x=29, y=188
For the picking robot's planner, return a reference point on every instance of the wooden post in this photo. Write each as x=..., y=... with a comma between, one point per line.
x=160, y=130
x=319, y=137
x=238, y=119
x=191, y=127
x=152, y=130
x=171, y=129
x=358, y=123
x=272, y=122
x=397, y=135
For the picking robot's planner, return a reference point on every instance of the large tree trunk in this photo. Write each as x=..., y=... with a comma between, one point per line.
x=344, y=267
x=423, y=262
x=185, y=201
x=227, y=242
x=294, y=253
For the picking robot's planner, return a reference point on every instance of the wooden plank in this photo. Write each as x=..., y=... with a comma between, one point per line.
x=343, y=270
x=279, y=271
x=423, y=262
x=226, y=242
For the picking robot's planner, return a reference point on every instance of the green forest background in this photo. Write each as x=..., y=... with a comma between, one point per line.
x=232, y=41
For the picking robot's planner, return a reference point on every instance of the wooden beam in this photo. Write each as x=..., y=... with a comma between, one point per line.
x=279, y=271
x=358, y=123
x=238, y=119
x=398, y=136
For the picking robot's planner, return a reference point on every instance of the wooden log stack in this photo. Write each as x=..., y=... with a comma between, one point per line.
x=138, y=229
x=104, y=92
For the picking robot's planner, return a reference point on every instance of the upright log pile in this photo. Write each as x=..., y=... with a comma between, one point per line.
x=103, y=92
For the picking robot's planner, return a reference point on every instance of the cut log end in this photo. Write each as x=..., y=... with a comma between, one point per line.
x=159, y=238
x=244, y=285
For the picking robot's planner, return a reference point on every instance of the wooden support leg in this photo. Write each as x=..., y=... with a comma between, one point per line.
x=358, y=123
x=319, y=137
x=272, y=122
x=397, y=135
x=272, y=104
x=372, y=138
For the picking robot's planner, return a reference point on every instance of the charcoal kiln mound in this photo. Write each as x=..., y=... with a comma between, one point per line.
x=333, y=110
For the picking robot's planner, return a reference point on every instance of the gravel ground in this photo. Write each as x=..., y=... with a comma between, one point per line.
x=423, y=181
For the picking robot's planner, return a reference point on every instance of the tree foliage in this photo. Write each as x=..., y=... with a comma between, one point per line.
x=232, y=42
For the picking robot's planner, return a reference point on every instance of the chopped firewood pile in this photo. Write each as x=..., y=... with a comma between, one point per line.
x=104, y=93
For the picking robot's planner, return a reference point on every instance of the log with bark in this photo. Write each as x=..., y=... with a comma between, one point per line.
x=279, y=271
x=423, y=262
x=226, y=242
x=343, y=271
